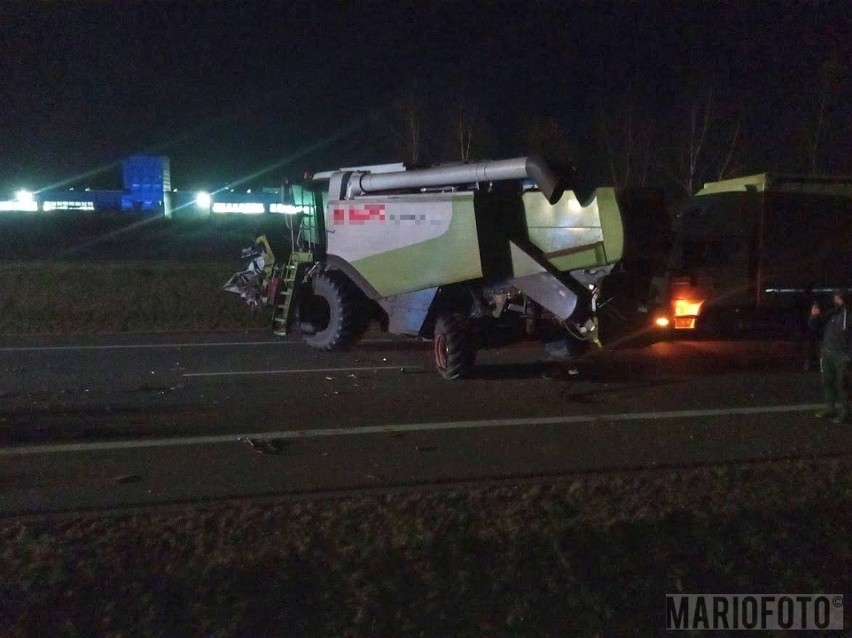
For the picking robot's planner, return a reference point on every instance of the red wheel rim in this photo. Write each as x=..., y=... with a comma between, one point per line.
x=441, y=352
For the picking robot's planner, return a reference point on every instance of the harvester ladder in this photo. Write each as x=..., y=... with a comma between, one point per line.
x=291, y=276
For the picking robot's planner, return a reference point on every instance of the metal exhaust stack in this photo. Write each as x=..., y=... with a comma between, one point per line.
x=532, y=167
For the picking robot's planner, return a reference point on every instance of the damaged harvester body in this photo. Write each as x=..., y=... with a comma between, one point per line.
x=465, y=254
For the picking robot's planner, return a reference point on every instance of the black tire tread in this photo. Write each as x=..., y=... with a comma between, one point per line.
x=346, y=312
x=461, y=352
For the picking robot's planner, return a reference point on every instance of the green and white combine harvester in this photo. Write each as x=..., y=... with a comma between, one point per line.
x=466, y=255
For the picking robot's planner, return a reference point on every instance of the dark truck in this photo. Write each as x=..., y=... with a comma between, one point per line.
x=751, y=254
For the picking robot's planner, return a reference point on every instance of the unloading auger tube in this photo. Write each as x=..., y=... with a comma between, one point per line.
x=532, y=167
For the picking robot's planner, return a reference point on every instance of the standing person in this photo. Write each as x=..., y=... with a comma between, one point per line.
x=809, y=331
x=834, y=356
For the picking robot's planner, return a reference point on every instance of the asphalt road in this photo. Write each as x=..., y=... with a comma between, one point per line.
x=122, y=421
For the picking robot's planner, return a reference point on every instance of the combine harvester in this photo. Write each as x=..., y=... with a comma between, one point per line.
x=456, y=253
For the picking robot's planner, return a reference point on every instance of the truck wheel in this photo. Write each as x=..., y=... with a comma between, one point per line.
x=331, y=314
x=453, y=346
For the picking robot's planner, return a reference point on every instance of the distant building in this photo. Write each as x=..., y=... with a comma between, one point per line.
x=147, y=184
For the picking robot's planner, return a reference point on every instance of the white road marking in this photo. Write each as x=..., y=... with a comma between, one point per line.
x=297, y=371
x=391, y=428
x=134, y=346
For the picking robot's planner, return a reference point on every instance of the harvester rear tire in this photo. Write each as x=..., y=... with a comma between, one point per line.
x=454, y=349
x=343, y=323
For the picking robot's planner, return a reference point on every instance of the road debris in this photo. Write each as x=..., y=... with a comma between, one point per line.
x=265, y=446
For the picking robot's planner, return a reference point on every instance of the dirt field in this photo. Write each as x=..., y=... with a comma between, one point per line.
x=96, y=236
x=89, y=273
x=80, y=298
x=593, y=556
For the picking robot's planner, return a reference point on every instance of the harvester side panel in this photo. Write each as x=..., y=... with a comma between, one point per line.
x=533, y=279
x=405, y=243
x=407, y=313
x=572, y=236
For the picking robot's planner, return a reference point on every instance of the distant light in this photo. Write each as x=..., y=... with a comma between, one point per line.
x=287, y=209
x=203, y=199
x=67, y=205
x=246, y=208
x=662, y=322
x=24, y=196
x=24, y=202
x=248, y=191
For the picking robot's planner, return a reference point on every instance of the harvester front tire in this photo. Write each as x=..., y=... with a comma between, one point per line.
x=454, y=350
x=334, y=310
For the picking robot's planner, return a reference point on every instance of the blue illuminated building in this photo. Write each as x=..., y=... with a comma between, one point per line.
x=147, y=184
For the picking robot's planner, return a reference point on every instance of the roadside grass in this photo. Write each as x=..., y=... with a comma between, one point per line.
x=590, y=557
x=102, y=236
x=112, y=297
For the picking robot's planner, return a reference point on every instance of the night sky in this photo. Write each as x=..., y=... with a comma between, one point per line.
x=228, y=89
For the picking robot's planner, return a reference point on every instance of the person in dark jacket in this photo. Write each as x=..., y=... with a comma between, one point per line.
x=834, y=356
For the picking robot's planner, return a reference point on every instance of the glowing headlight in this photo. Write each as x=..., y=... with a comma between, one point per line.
x=686, y=308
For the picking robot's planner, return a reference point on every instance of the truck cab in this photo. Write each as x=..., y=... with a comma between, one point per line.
x=751, y=253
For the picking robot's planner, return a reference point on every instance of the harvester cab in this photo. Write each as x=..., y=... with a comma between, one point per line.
x=453, y=253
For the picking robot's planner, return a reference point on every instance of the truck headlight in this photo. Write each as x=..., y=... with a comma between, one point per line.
x=686, y=308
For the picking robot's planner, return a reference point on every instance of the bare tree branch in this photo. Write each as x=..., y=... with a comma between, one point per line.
x=723, y=169
x=609, y=150
x=627, y=141
x=407, y=130
x=830, y=72
x=463, y=126
x=710, y=147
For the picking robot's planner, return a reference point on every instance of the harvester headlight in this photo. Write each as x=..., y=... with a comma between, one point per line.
x=661, y=322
